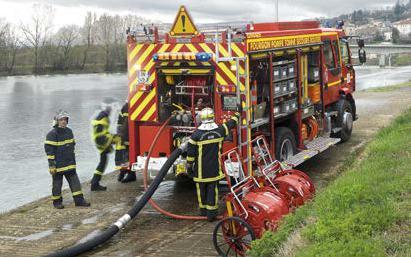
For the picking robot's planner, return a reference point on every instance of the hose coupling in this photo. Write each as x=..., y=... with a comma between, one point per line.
x=183, y=146
x=122, y=221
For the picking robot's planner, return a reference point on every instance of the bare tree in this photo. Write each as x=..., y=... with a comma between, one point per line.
x=9, y=44
x=105, y=36
x=111, y=36
x=66, y=38
x=3, y=44
x=13, y=44
x=118, y=36
x=37, y=31
x=88, y=35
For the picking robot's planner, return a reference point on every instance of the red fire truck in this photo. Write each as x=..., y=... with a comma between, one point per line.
x=293, y=83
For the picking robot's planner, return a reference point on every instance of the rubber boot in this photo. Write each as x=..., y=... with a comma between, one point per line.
x=121, y=175
x=58, y=204
x=95, y=184
x=131, y=176
x=98, y=187
x=80, y=201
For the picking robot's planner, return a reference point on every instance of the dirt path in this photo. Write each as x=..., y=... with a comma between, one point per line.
x=37, y=228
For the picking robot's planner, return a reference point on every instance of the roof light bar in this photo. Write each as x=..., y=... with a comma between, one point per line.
x=167, y=56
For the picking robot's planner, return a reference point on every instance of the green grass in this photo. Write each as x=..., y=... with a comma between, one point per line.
x=402, y=60
x=364, y=212
x=389, y=88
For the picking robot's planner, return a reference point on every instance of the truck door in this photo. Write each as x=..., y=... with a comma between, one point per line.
x=348, y=73
x=332, y=71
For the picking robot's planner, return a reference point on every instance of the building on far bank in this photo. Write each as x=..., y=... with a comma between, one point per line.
x=404, y=27
x=388, y=35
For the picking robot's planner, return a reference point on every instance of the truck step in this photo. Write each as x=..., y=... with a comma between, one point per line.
x=314, y=147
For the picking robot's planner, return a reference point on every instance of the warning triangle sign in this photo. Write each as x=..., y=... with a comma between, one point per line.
x=183, y=24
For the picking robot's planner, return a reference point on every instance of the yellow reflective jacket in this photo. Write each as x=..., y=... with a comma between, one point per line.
x=101, y=134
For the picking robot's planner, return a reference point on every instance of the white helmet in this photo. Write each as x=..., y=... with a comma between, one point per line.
x=207, y=115
x=60, y=115
x=207, y=119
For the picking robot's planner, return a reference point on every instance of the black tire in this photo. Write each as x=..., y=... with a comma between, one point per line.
x=285, y=144
x=344, y=107
x=232, y=236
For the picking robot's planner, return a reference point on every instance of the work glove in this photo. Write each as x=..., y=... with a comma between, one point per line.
x=116, y=139
x=52, y=170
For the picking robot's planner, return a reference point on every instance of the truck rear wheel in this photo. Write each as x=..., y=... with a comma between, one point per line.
x=285, y=145
x=344, y=120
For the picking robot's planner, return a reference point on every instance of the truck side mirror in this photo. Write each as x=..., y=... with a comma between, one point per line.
x=362, y=56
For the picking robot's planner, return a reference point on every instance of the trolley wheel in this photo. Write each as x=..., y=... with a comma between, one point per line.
x=232, y=236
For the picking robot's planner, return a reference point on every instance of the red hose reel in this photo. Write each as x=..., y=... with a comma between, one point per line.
x=257, y=202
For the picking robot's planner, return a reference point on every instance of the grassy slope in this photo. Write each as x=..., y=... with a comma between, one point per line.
x=364, y=212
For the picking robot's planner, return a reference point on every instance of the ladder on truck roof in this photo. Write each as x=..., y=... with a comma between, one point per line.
x=202, y=27
x=145, y=32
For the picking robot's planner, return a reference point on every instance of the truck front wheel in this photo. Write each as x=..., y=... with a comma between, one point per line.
x=345, y=120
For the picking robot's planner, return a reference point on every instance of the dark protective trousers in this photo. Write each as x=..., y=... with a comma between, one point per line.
x=101, y=167
x=121, y=155
x=207, y=195
x=73, y=181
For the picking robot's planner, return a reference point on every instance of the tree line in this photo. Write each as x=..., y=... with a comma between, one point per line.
x=33, y=47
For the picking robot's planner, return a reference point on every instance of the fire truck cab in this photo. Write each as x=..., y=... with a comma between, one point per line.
x=292, y=82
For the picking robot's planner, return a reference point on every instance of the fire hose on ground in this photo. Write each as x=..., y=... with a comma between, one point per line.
x=123, y=220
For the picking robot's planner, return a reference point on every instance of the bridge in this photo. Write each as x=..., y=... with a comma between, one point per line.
x=384, y=51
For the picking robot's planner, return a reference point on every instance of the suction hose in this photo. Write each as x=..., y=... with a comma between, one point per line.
x=122, y=221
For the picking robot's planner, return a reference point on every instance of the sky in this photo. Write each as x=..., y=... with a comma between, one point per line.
x=204, y=11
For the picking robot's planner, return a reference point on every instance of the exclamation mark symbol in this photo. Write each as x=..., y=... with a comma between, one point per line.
x=183, y=20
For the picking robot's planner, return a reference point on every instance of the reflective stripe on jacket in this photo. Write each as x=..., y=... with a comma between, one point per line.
x=59, y=147
x=204, y=149
x=122, y=124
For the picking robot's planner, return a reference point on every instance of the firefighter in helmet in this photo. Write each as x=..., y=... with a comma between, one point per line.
x=203, y=160
x=59, y=147
x=103, y=140
x=121, y=157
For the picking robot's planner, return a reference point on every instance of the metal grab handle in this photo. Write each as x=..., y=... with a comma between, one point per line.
x=240, y=185
x=242, y=182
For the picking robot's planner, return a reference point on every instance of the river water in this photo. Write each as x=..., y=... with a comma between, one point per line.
x=28, y=103
x=374, y=76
